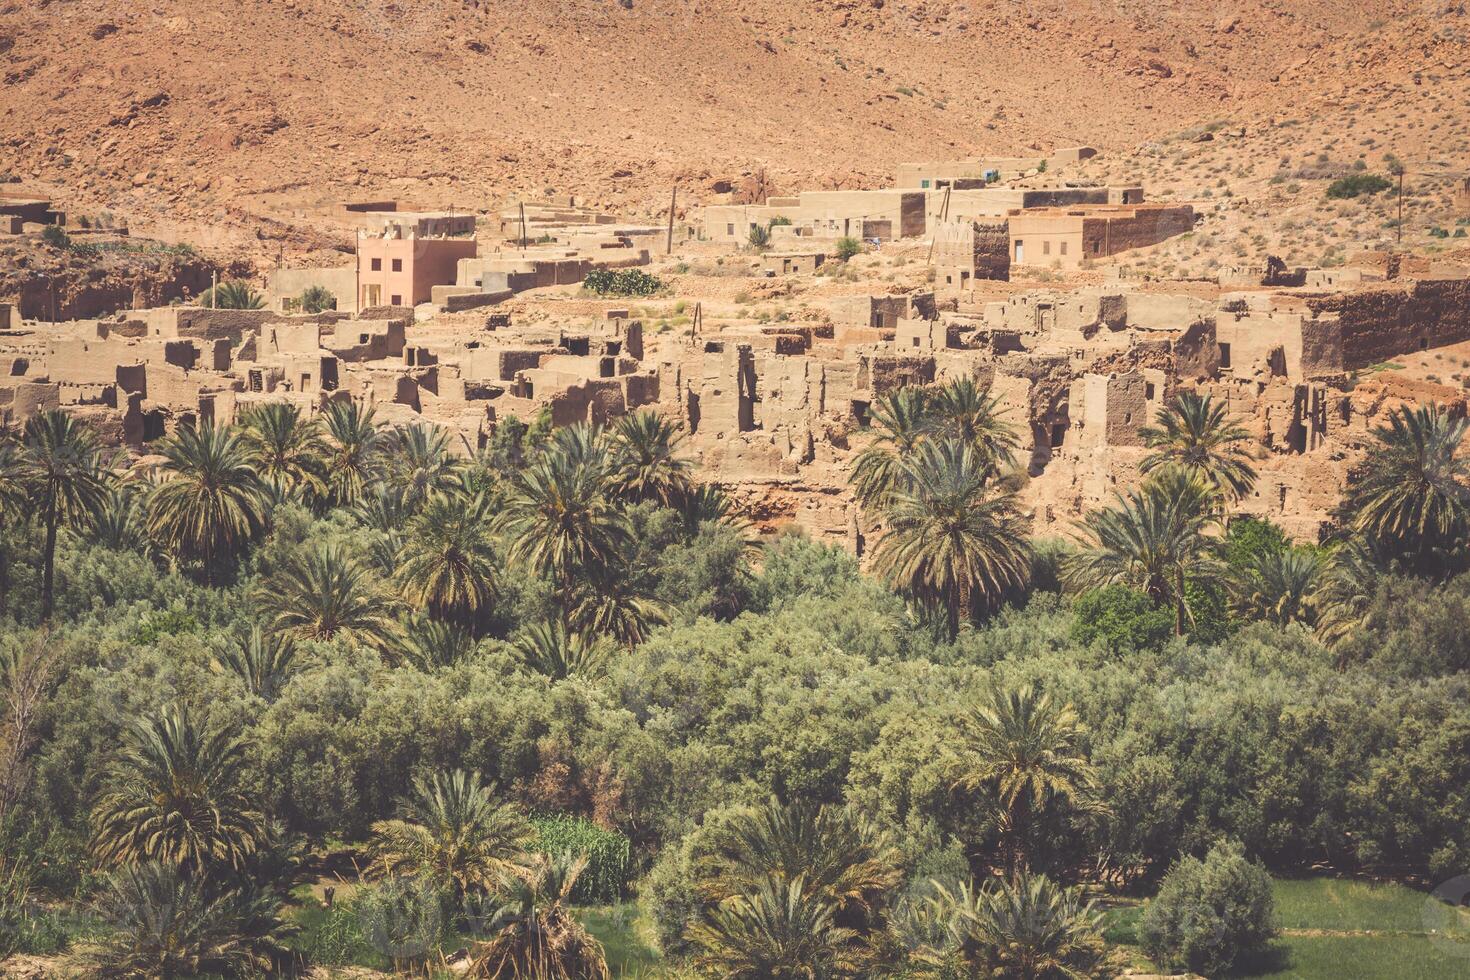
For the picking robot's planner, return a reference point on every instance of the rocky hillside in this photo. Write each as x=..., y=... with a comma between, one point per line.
x=219, y=123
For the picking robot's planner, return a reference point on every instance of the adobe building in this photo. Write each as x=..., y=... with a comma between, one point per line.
x=406, y=255
x=882, y=215
x=967, y=250
x=21, y=214
x=960, y=174
x=793, y=263
x=1462, y=198
x=1065, y=237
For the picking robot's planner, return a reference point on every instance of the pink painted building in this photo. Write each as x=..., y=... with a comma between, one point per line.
x=402, y=261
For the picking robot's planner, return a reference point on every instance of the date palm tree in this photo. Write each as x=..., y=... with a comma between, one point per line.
x=451, y=829
x=951, y=538
x=210, y=501
x=430, y=645
x=1281, y=587
x=903, y=421
x=701, y=503
x=1026, y=927
x=1156, y=539
x=13, y=496
x=447, y=563
x=645, y=463
x=533, y=931
x=1411, y=500
x=420, y=463
x=840, y=858
x=325, y=594
x=1025, y=749
x=779, y=930
x=552, y=650
x=118, y=523
x=1194, y=433
x=234, y=295
x=286, y=449
x=1345, y=597
x=965, y=411
x=65, y=481
x=169, y=924
x=262, y=662
x=558, y=522
x=175, y=796
x=352, y=451
x=606, y=601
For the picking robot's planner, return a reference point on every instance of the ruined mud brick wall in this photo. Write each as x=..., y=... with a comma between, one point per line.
x=1378, y=324
x=991, y=252
x=882, y=373
x=972, y=250
x=1111, y=234
x=72, y=294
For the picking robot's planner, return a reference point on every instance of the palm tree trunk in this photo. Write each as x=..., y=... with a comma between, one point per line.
x=48, y=562
x=1180, y=604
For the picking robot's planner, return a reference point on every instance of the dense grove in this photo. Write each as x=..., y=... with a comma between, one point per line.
x=560, y=671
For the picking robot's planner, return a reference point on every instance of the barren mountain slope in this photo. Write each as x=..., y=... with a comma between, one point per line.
x=202, y=118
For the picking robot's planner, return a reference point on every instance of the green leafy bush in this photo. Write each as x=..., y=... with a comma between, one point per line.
x=56, y=236
x=847, y=247
x=1356, y=185
x=1210, y=914
x=317, y=299
x=609, y=855
x=1122, y=618
x=1251, y=538
x=622, y=282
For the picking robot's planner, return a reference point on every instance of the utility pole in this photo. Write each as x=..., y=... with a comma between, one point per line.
x=523, y=226
x=213, y=288
x=1401, y=205
x=673, y=202
x=943, y=216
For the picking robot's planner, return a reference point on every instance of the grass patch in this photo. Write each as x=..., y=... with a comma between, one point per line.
x=627, y=938
x=1335, y=928
x=1361, y=957
x=1349, y=906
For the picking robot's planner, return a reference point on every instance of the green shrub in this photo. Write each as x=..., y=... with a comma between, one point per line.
x=609, y=855
x=1355, y=185
x=1250, y=539
x=402, y=919
x=1210, y=914
x=760, y=236
x=673, y=898
x=317, y=299
x=847, y=247
x=622, y=282
x=56, y=236
x=1122, y=618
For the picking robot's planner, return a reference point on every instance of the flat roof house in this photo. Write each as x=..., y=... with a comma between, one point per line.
x=1064, y=237
x=410, y=253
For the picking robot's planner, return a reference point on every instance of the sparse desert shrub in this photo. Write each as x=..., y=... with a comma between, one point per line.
x=847, y=247
x=55, y=236
x=1357, y=185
